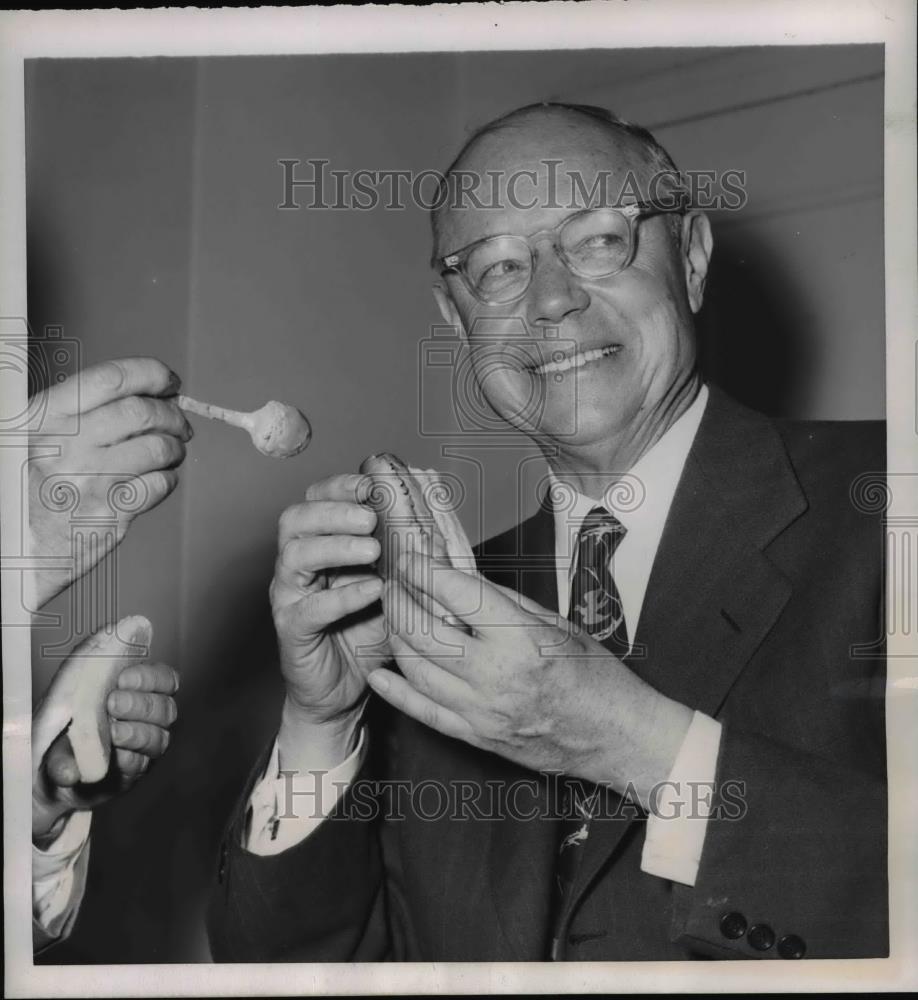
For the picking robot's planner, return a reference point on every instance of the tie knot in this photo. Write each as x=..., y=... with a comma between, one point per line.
x=600, y=535
x=600, y=521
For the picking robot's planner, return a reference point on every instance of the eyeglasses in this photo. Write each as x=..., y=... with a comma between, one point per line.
x=592, y=243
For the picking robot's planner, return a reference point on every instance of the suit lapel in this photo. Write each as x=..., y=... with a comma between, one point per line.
x=713, y=595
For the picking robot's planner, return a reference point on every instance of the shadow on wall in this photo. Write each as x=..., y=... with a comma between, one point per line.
x=754, y=341
x=44, y=283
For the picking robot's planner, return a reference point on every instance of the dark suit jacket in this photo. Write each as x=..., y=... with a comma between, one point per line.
x=764, y=611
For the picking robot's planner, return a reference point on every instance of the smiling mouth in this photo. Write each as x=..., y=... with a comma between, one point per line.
x=577, y=360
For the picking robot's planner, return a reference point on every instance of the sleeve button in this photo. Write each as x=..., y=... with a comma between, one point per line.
x=733, y=925
x=791, y=946
x=761, y=937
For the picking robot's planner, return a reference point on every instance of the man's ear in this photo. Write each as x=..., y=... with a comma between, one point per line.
x=447, y=307
x=697, y=244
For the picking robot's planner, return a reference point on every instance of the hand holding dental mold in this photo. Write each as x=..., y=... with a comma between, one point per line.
x=104, y=717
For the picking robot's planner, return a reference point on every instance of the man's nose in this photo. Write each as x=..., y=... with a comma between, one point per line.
x=555, y=293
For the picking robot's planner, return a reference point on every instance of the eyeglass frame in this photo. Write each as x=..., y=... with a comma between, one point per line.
x=453, y=263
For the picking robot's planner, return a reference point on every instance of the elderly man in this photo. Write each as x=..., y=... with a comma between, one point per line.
x=702, y=749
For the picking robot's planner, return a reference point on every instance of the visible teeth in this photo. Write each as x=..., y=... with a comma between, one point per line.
x=578, y=360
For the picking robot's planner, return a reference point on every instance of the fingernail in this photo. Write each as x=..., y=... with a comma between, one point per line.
x=367, y=549
x=373, y=586
x=120, y=731
x=379, y=680
x=119, y=702
x=129, y=679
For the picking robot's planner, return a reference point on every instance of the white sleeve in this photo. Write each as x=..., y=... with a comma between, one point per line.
x=285, y=806
x=679, y=812
x=59, y=881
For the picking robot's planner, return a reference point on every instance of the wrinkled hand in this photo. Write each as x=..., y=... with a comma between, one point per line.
x=322, y=598
x=522, y=683
x=141, y=711
x=122, y=461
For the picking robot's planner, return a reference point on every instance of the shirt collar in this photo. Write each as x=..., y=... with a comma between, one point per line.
x=642, y=497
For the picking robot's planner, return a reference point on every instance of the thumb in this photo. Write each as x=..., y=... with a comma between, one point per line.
x=60, y=764
x=50, y=720
x=102, y=383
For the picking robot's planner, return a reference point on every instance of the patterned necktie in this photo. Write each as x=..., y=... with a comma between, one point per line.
x=595, y=602
x=595, y=606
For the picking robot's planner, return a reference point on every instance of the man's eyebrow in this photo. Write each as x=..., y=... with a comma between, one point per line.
x=527, y=235
x=504, y=231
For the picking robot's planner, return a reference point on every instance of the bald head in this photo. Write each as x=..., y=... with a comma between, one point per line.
x=540, y=134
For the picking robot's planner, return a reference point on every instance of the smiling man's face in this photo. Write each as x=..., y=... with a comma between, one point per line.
x=636, y=325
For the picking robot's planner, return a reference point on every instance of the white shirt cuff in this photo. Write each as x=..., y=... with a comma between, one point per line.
x=59, y=877
x=681, y=806
x=285, y=808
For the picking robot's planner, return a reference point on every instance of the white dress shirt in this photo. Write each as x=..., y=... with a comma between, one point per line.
x=675, y=834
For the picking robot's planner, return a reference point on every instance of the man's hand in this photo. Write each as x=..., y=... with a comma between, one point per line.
x=329, y=633
x=141, y=710
x=523, y=684
x=122, y=461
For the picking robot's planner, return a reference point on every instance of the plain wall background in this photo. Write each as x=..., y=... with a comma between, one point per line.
x=153, y=228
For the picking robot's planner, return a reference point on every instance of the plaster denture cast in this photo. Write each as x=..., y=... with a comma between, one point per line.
x=78, y=693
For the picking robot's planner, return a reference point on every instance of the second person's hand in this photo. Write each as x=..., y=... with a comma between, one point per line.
x=109, y=440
